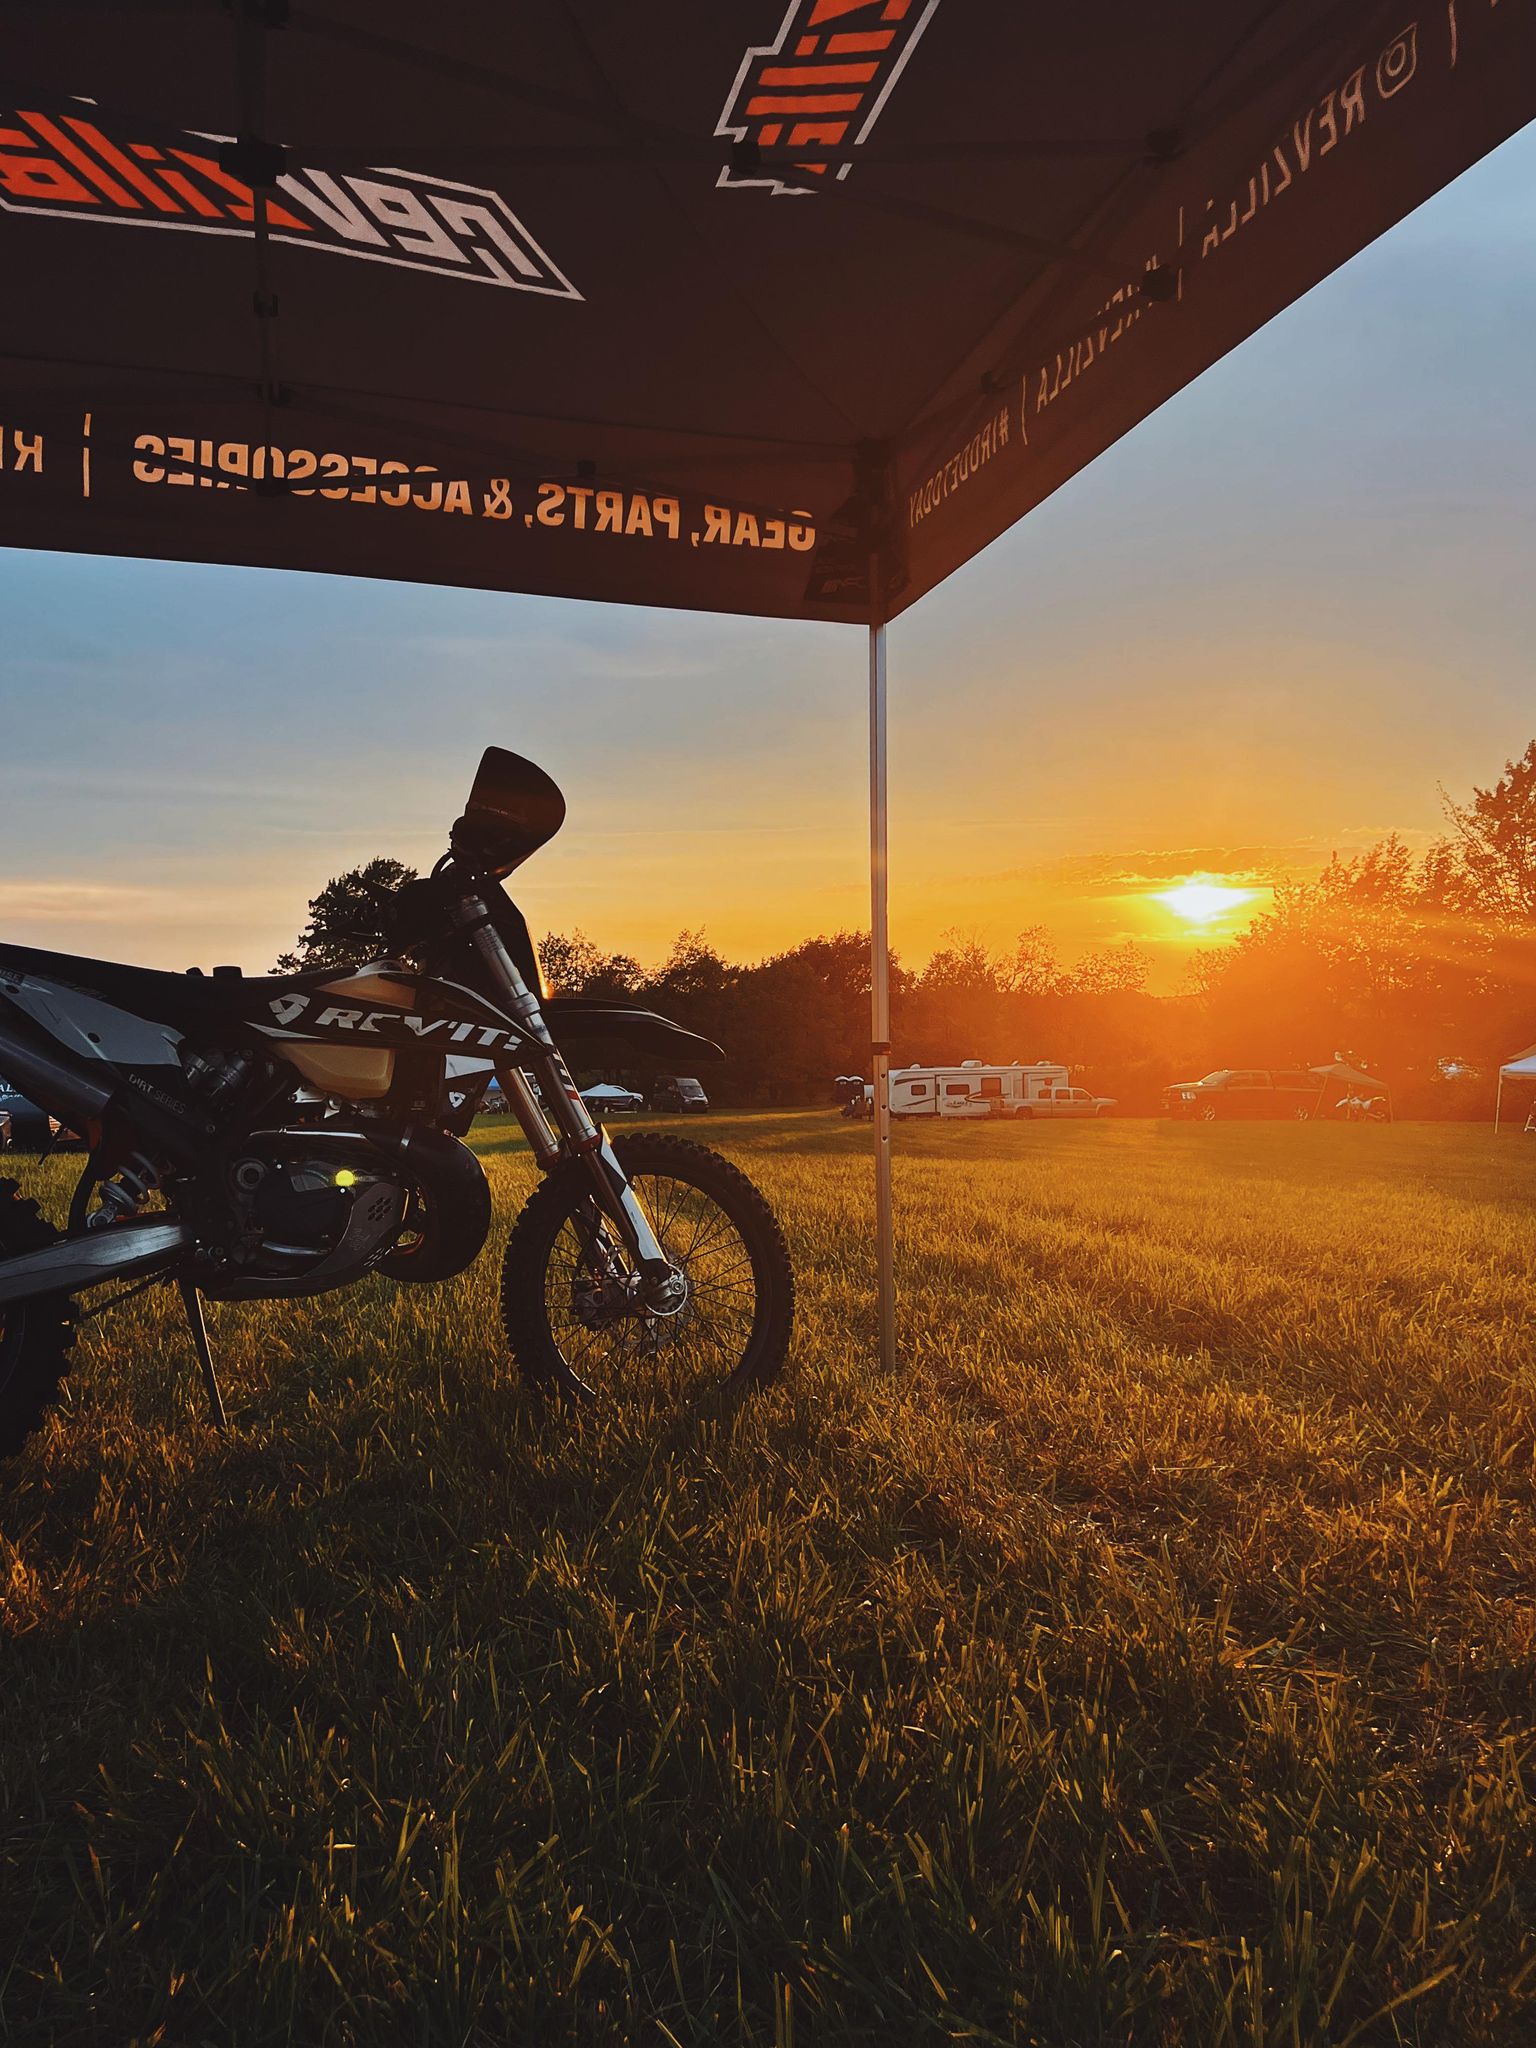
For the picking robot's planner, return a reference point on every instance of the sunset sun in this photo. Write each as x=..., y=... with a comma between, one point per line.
x=1202, y=902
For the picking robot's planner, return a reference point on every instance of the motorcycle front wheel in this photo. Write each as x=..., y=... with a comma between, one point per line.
x=572, y=1319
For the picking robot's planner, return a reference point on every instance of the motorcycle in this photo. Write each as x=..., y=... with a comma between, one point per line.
x=264, y=1137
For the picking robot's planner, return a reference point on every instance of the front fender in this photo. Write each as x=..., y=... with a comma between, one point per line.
x=577, y=1021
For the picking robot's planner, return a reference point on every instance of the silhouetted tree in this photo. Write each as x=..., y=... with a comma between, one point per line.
x=1111, y=971
x=1491, y=863
x=349, y=919
x=692, y=968
x=574, y=966
x=1032, y=969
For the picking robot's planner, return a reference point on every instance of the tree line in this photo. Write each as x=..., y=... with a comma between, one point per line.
x=1419, y=968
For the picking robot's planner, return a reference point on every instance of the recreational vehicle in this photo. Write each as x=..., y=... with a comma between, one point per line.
x=974, y=1089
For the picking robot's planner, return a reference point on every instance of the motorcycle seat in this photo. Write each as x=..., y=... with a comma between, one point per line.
x=187, y=1002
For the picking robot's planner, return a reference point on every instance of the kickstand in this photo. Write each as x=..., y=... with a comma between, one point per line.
x=195, y=1323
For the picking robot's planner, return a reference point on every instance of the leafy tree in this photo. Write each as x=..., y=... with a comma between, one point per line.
x=963, y=964
x=1032, y=968
x=568, y=960
x=692, y=968
x=1489, y=865
x=349, y=919
x=1111, y=971
x=797, y=1020
x=574, y=966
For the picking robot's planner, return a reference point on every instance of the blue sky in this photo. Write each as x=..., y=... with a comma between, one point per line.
x=1269, y=623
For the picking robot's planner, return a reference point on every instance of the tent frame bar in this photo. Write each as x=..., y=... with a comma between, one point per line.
x=880, y=985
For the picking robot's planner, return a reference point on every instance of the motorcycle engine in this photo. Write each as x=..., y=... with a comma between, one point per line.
x=300, y=1202
x=314, y=1217
x=317, y=1204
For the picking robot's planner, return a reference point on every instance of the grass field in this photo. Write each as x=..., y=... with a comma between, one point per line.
x=1151, y=1660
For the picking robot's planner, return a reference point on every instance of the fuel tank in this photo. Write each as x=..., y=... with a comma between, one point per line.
x=343, y=1034
x=352, y=1071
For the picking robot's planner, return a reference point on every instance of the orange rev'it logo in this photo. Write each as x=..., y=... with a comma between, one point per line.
x=821, y=84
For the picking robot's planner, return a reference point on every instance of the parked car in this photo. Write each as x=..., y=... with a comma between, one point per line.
x=26, y=1126
x=680, y=1093
x=5, y=1130
x=604, y=1098
x=1246, y=1092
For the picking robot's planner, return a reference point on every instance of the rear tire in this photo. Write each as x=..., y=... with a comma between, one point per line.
x=564, y=1342
x=36, y=1335
x=1208, y=1112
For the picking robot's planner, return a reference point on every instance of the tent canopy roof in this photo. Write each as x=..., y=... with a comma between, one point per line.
x=1522, y=1063
x=1341, y=1070
x=706, y=310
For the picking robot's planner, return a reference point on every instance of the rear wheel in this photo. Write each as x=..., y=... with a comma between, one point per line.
x=36, y=1335
x=568, y=1303
x=1301, y=1114
x=1208, y=1112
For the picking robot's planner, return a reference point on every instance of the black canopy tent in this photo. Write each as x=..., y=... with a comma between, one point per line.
x=784, y=308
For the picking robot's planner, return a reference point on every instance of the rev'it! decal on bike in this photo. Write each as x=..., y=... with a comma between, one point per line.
x=325, y=1019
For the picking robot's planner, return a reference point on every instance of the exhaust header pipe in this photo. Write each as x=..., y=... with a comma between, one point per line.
x=118, y=1252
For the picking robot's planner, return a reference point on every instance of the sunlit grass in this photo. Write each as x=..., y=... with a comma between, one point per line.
x=1150, y=1660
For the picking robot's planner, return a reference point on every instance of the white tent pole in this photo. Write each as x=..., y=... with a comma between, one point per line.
x=880, y=990
x=1498, y=1103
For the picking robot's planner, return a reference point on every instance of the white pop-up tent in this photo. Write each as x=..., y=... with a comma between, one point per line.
x=1521, y=1068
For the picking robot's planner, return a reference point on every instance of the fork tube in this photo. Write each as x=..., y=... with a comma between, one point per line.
x=542, y=1142
x=565, y=1108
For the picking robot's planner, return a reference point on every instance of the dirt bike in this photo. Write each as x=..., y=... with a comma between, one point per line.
x=256, y=1138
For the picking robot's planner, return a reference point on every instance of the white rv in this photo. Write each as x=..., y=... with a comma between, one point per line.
x=975, y=1089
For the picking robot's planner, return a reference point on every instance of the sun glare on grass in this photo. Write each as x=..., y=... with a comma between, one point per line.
x=1202, y=902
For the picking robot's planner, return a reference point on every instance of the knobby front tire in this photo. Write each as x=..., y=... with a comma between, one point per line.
x=35, y=1335
x=732, y=1334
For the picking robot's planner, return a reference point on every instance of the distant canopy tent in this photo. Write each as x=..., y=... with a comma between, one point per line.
x=1335, y=1076
x=1521, y=1068
x=782, y=309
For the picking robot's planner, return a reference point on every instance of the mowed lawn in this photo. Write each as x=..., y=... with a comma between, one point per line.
x=1152, y=1659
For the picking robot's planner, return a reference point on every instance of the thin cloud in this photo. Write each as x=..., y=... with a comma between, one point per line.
x=88, y=902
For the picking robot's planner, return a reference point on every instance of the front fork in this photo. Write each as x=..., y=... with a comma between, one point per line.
x=573, y=1128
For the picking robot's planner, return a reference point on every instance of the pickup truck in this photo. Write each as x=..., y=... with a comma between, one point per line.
x=1290, y=1092
x=1054, y=1102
